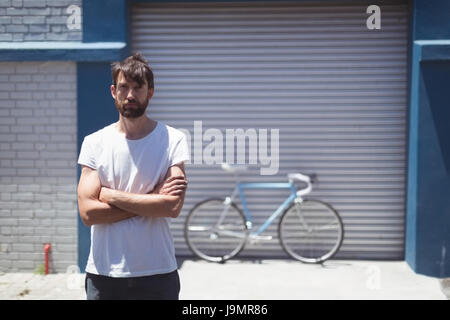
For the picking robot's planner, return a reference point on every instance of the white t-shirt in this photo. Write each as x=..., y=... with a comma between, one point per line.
x=138, y=246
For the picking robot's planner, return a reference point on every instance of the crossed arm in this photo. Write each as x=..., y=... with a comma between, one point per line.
x=99, y=204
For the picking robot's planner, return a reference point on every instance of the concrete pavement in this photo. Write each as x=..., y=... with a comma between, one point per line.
x=258, y=279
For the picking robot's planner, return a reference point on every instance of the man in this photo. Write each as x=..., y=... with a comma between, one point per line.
x=132, y=183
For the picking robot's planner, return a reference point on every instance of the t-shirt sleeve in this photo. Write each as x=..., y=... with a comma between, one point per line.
x=86, y=156
x=179, y=152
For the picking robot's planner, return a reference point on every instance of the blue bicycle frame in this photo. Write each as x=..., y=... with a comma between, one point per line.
x=263, y=185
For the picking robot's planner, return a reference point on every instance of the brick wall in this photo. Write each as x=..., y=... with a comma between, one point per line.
x=38, y=155
x=38, y=20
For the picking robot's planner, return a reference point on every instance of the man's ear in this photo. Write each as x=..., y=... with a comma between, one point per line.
x=151, y=91
x=113, y=91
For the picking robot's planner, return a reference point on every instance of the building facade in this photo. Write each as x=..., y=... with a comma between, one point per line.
x=357, y=96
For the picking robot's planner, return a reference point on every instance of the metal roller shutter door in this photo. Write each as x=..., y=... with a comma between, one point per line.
x=335, y=90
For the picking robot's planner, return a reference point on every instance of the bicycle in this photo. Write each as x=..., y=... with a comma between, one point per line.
x=310, y=231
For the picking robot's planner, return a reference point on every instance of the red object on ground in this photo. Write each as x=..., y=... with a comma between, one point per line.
x=46, y=251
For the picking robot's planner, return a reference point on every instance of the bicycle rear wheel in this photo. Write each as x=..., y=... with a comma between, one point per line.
x=215, y=230
x=311, y=231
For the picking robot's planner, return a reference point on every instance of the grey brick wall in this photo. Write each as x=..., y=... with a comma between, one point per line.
x=38, y=20
x=38, y=173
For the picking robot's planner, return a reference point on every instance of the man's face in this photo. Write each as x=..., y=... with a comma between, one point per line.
x=130, y=99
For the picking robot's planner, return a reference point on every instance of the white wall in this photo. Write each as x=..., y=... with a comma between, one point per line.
x=38, y=173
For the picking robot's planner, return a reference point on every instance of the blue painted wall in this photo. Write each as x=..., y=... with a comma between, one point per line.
x=95, y=110
x=103, y=21
x=428, y=197
x=431, y=19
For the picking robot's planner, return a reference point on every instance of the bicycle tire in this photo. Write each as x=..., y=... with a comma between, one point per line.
x=215, y=243
x=298, y=237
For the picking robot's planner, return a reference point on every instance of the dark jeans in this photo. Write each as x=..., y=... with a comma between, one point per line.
x=157, y=287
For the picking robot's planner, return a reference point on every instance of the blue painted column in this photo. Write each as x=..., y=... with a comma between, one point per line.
x=428, y=197
x=104, y=21
x=95, y=110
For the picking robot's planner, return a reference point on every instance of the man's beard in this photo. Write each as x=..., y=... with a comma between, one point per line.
x=134, y=111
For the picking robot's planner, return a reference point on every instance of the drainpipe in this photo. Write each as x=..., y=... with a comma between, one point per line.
x=47, y=247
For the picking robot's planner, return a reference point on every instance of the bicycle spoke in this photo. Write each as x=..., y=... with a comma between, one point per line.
x=333, y=226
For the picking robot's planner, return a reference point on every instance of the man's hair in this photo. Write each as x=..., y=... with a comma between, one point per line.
x=134, y=68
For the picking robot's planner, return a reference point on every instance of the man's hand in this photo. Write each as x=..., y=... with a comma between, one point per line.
x=174, y=185
x=92, y=209
x=105, y=194
x=166, y=200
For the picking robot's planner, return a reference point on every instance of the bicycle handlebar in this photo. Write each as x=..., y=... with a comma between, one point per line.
x=303, y=178
x=300, y=177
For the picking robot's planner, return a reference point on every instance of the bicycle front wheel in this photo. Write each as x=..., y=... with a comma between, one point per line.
x=215, y=230
x=311, y=231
